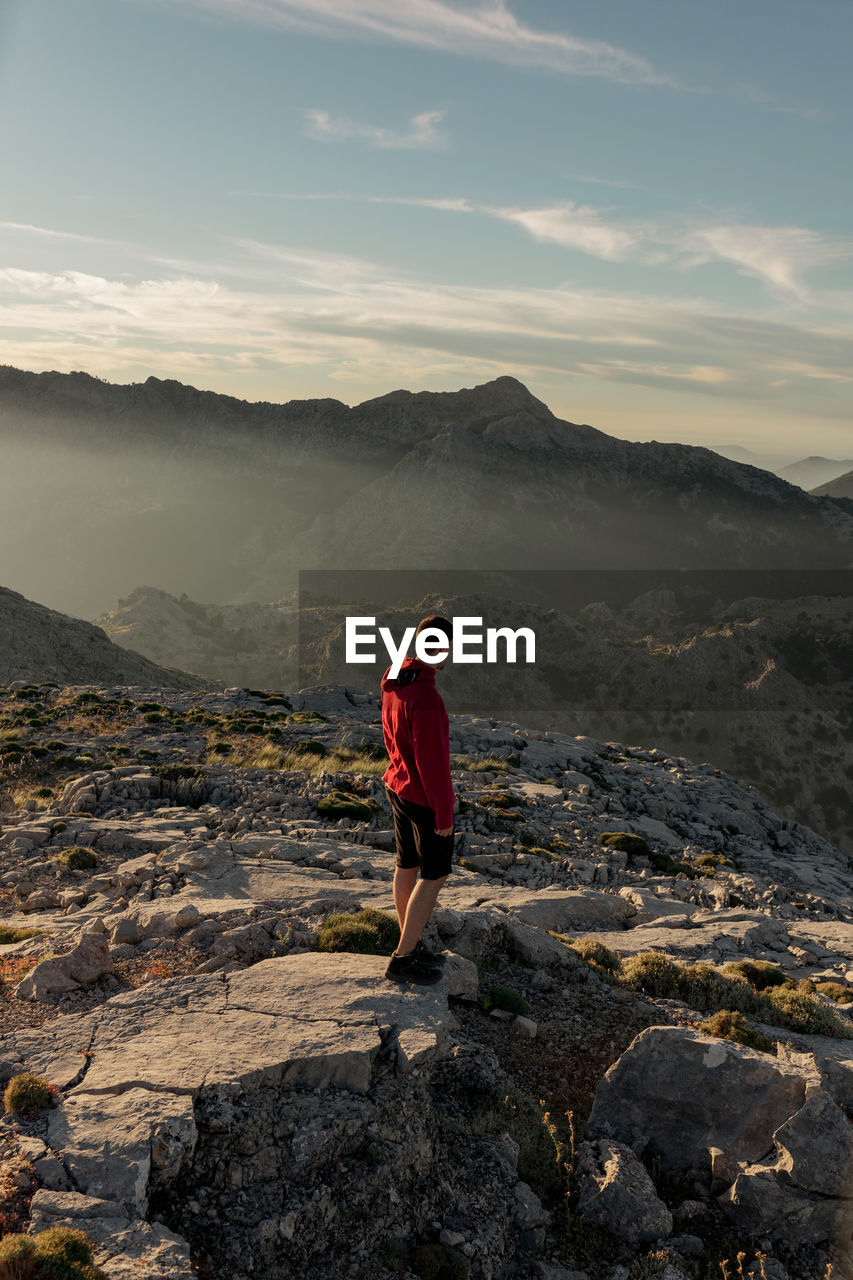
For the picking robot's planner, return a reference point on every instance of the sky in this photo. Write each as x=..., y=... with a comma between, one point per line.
x=642, y=211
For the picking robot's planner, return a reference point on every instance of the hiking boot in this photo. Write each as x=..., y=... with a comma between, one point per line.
x=411, y=968
x=428, y=957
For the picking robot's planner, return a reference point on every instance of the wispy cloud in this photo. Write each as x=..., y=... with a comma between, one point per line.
x=778, y=256
x=355, y=322
x=422, y=133
x=488, y=29
x=763, y=98
x=575, y=227
x=26, y=229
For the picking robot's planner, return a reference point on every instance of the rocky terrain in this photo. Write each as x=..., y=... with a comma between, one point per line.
x=237, y=1091
x=226, y=500
x=760, y=687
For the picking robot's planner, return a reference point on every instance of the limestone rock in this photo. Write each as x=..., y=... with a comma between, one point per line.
x=617, y=1192
x=672, y=1092
x=79, y=967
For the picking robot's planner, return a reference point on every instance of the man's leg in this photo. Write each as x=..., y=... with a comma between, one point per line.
x=421, y=903
x=404, y=883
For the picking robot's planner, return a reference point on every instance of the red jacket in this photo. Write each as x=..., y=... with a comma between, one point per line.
x=417, y=738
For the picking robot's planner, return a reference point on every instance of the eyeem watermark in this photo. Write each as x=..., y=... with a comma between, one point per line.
x=431, y=645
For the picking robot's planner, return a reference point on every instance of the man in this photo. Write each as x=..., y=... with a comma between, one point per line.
x=416, y=731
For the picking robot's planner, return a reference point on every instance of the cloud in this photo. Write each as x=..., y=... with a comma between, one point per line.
x=25, y=228
x=778, y=256
x=482, y=30
x=423, y=132
x=575, y=227
x=353, y=321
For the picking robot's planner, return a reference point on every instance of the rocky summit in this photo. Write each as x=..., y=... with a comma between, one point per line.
x=638, y=1061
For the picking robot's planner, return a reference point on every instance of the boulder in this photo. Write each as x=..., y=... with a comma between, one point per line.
x=678, y=1092
x=617, y=1193
x=79, y=967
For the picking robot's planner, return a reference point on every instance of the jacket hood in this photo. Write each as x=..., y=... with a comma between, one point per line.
x=412, y=671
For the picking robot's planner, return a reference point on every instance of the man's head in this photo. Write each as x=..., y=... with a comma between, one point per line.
x=435, y=622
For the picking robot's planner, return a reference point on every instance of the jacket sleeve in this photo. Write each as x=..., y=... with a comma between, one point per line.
x=432, y=756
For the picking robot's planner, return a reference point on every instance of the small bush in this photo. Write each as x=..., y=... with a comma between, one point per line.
x=797, y=1011
x=836, y=991
x=27, y=1092
x=60, y=1253
x=730, y=1024
x=487, y=765
x=597, y=955
x=626, y=841
x=369, y=932
x=17, y=1260
x=499, y=800
x=343, y=804
x=505, y=998
x=78, y=858
x=653, y=973
x=517, y=1113
x=760, y=974
x=306, y=717
x=712, y=860
x=310, y=747
x=8, y=933
x=172, y=772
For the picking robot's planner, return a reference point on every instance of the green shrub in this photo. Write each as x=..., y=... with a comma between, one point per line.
x=27, y=1092
x=836, y=991
x=627, y=841
x=705, y=988
x=730, y=1024
x=8, y=933
x=370, y=932
x=276, y=700
x=797, y=1011
x=597, y=955
x=505, y=998
x=17, y=1257
x=306, y=717
x=499, y=800
x=653, y=973
x=343, y=804
x=62, y=1253
x=57, y=827
x=760, y=974
x=310, y=747
x=171, y=772
x=511, y=1110
x=78, y=858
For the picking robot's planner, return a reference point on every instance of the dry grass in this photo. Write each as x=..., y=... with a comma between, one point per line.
x=338, y=760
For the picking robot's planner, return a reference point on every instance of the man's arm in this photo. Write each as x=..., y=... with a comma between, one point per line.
x=432, y=757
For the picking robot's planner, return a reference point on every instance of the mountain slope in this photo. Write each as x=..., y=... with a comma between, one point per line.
x=225, y=500
x=40, y=644
x=840, y=487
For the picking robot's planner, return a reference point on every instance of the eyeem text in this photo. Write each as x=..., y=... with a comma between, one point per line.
x=432, y=646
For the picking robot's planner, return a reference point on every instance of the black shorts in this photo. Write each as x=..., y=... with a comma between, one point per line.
x=417, y=843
